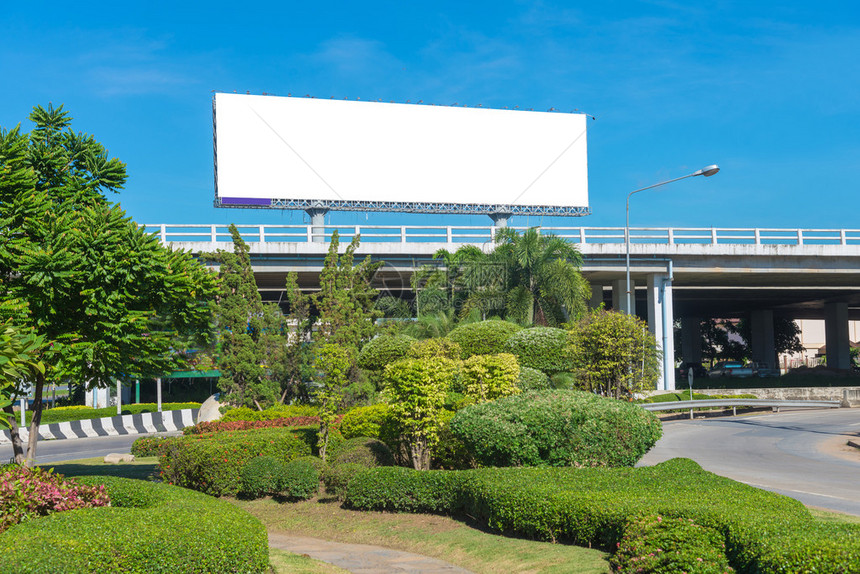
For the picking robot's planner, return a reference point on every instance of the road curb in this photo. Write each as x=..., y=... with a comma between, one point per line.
x=143, y=423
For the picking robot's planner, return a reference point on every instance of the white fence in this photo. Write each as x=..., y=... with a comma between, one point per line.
x=481, y=234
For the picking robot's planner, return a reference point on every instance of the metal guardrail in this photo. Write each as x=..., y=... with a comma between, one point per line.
x=734, y=403
x=480, y=234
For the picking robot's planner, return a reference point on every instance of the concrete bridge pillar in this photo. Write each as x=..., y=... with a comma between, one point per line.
x=317, y=215
x=619, y=295
x=691, y=339
x=660, y=323
x=836, y=335
x=596, y=296
x=763, y=344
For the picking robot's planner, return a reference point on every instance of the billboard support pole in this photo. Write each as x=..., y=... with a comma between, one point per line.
x=500, y=219
x=317, y=215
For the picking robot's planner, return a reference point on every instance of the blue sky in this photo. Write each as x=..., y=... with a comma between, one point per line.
x=768, y=90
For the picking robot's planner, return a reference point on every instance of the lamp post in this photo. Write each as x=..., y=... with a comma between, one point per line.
x=706, y=171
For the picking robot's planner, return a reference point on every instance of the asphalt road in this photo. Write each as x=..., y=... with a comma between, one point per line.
x=802, y=454
x=49, y=451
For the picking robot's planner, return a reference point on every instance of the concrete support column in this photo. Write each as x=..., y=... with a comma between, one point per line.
x=317, y=215
x=660, y=323
x=500, y=219
x=691, y=339
x=619, y=295
x=763, y=344
x=836, y=335
x=596, y=296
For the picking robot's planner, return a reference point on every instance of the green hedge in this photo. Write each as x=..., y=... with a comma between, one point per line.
x=361, y=450
x=365, y=421
x=150, y=528
x=533, y=380
x=556, y=428
x=78, y=413
x=276, y=412
x=383, y=350
x=151, y=445
x=763, y=532
x=543, y=348
x=213, y=463
x=484, y=337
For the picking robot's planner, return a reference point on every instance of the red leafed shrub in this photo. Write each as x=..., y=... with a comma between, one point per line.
x=31, y=492
x=220, y=426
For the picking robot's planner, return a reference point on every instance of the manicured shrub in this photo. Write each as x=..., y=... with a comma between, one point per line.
x=300, y=480
x=272, y=413
x=27, y=493
x=764, y=532
x=151, y=445
x=484, y=337
x=364, y=421
x=362, y=450
x=543, y=348
x=435, y=347
x=212, y=463
x=337, y=477
x=654, y=545
x=556, y=428
x=314, y=461
x=262, y=476
x=383, y=350
x=450, y=453
x=532, y=380
x=149, y=528
x=221, y=426
x=489, y=377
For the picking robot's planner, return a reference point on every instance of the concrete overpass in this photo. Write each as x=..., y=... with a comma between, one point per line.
x=686, y=273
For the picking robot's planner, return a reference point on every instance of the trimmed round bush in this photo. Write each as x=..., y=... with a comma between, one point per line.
x=262, y=476
x=149, y=528
x=533, y=380
x=151, y=445
x=337, y=478
x=542, y=348
x=383, y=350
x=366, y=451
x=484, y=337
x=300, y=479
x=364, y=421
x=435, y=347
x=556, y=428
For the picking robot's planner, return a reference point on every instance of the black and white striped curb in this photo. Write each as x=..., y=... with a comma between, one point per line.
x=143, y=423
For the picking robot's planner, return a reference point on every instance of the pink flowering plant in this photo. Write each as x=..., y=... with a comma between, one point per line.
x=657, y=544
x=32, y=492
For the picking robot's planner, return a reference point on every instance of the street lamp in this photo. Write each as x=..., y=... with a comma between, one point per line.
x=706, y=171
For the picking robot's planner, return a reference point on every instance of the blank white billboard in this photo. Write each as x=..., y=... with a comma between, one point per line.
x=304, y=152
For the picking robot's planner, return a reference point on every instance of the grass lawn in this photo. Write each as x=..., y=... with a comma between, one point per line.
x=289, y=563
x=437, y=536
x=145, y=468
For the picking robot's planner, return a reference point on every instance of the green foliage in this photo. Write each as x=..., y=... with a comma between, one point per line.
x=149, y=528
x=614, y=354
x=532, y=380
x=151, y=445
x=262, y=476
x=364, y=421
x=764, y=532
x=20, y=359
x=556, y=428
x=484, y=338
x=300, y=479
x=543, y=348
x=337, y=477
x=383, y=350
x=333, y=362
x=489, y=377
x=654, y=545
x=435, y=347
x=271, y=413
x=450, y=452
x=213, y=463
x=362, y=450
x=108, y=296
x=416, y=390
x=252, y=351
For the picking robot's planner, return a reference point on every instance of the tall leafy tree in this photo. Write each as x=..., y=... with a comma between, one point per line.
x=252, y=344
x=107, y=297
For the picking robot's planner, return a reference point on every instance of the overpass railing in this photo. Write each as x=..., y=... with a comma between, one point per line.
x=481, y=234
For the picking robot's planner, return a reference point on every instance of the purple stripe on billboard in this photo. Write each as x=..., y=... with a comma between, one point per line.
x=246, y=201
